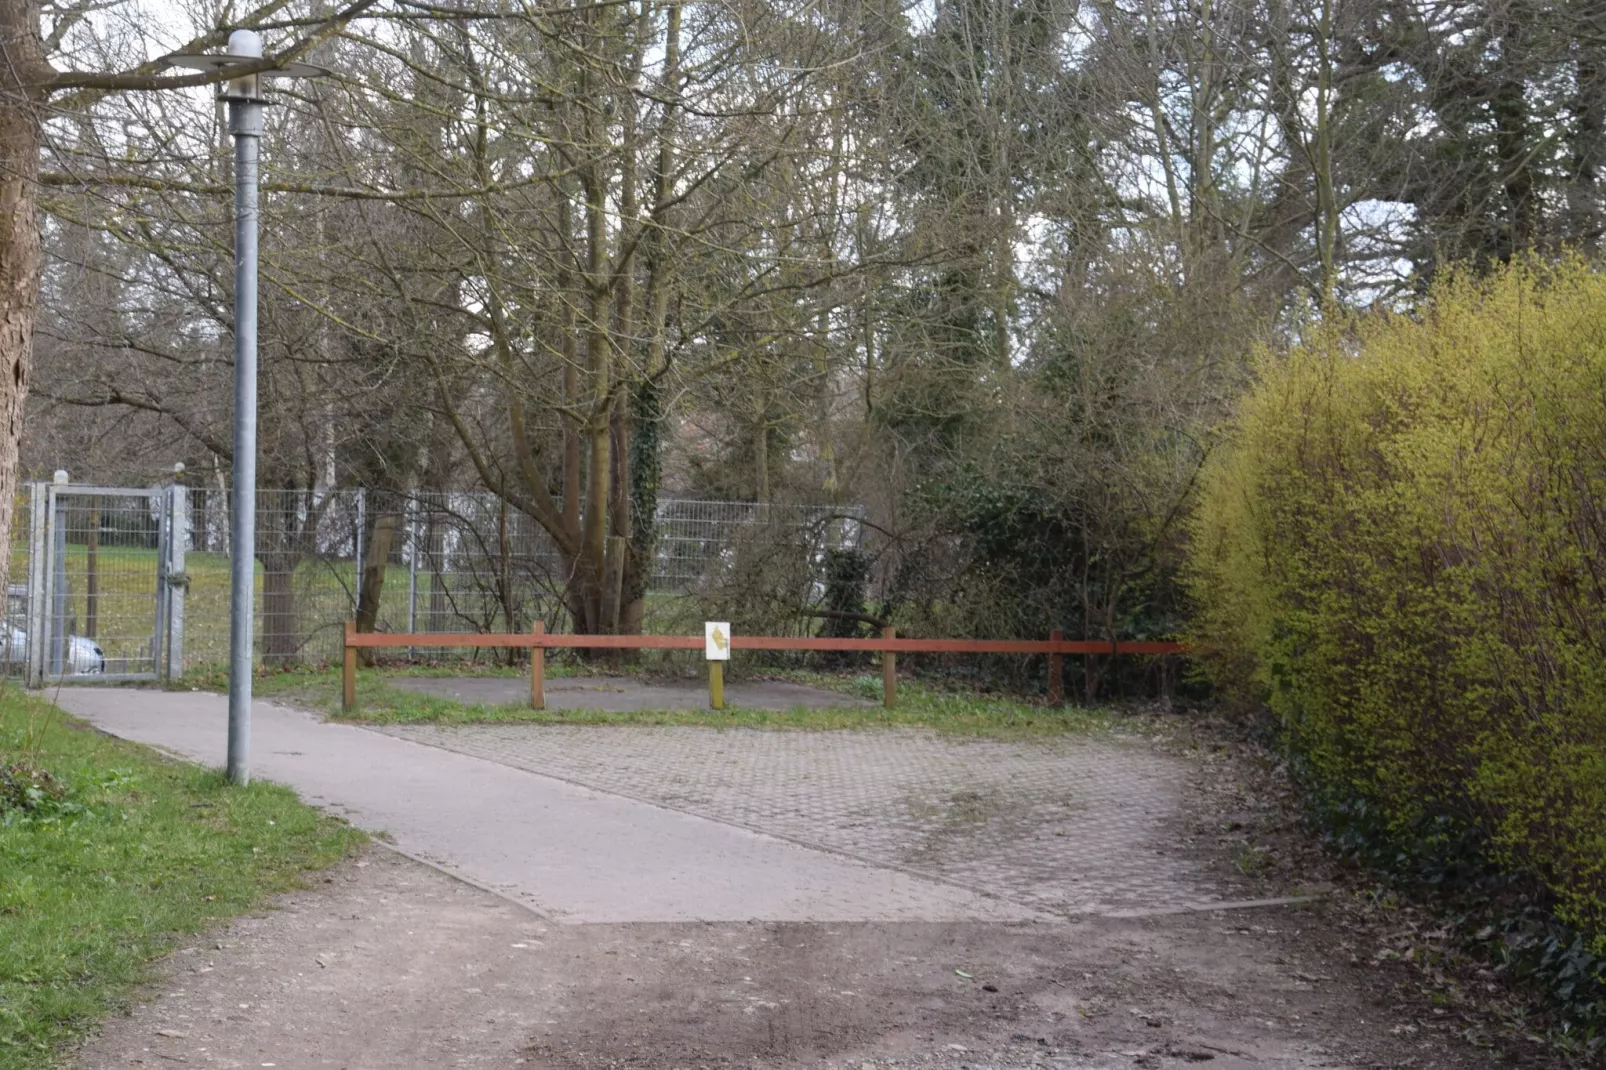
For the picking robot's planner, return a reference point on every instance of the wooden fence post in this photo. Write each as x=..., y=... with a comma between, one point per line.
x=538, y=668
x=348, y=670
x=889, y=670
x=1056, y=671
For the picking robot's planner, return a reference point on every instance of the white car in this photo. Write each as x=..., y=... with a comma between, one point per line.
x=84, y=656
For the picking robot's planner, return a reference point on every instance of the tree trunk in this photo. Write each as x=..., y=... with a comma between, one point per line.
x=761, y=461
x=1327, y=206
x=582, y=596
x=645, y=472
x=507, y=592
x=373, y=578
x=599, y=419
x=643, y=426
x=617, y=565
x=22, y=67
x=279, y=549
x=570, y=349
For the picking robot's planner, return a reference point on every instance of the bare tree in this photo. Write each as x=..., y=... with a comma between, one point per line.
x=29, y=84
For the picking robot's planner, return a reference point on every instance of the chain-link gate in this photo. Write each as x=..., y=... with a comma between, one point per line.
x=106, y=584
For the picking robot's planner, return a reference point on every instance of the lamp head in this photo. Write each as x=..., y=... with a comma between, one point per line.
x=245, y=46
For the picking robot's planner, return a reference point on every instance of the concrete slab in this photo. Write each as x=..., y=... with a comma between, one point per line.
x=576, y=854
x=625, y=694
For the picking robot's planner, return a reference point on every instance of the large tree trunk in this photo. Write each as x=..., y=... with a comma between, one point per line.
x=282, y=545
x=643, y=481
x=375, y=565
x=599, y=423
x=22, y=67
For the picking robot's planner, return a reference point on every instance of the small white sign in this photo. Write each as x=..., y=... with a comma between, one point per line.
x=717, y=640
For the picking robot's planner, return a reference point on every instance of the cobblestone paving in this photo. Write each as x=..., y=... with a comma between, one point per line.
x=1073, y=825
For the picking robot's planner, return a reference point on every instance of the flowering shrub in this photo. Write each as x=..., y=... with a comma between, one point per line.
x=1401, y=550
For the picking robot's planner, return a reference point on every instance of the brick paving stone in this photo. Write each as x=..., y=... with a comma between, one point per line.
x=1071, y=825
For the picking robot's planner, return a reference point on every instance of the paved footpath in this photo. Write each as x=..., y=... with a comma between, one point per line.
x=1074, y=825
x=575, y=854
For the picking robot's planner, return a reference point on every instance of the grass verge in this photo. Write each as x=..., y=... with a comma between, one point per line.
x=112, y=856
x=380, y=701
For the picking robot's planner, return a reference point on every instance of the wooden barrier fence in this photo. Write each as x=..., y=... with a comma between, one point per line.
x=538, y=641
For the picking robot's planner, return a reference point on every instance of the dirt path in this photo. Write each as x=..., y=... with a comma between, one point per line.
x=390, y=964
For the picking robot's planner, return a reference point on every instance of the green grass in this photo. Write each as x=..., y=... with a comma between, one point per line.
x=919, y=705
x=142, y=853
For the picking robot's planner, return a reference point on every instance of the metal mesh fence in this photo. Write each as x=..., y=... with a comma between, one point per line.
x=458, y=561
x=699, y=542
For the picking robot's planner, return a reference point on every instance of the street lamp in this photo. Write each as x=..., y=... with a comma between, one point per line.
x=244, y=95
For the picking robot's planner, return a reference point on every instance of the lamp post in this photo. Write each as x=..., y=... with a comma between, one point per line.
x=244, y=95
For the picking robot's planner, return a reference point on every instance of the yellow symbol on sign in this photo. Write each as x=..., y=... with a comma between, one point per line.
x=717, y=640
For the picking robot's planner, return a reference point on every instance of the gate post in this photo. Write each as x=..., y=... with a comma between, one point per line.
x=164, y=535
x=56, y=578
x=178, y=534
x=34, y=626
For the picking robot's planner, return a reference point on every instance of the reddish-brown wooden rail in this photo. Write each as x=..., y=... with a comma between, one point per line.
x=759, y=642
x=888, y=645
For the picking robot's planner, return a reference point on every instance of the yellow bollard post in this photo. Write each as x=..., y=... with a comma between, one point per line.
x=716, y=685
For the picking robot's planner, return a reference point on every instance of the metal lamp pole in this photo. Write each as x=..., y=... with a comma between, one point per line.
x=244, y=95
x=245, y=123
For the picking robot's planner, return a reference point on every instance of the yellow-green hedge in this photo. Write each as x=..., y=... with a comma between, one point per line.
x=1401, y=548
